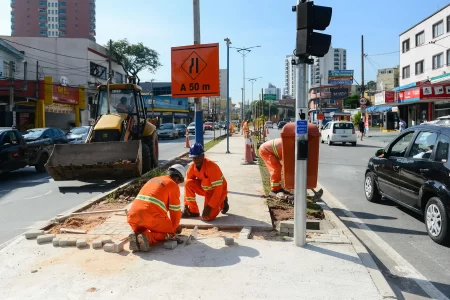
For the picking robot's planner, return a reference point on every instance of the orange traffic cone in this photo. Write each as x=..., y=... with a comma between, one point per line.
x=248, y=156
x=187, y=139
x=253, y=148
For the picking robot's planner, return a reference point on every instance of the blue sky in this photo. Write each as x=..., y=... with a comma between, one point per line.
x=270, y=23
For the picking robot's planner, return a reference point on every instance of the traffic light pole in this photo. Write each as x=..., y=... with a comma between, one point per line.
x=198, y=103
x=301, y=154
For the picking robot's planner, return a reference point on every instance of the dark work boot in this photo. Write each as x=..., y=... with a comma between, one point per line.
x=188, y=214
x=134, y=245
x=226, y=206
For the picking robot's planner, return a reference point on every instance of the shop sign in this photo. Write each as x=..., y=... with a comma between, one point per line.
x=64, y=94
x=436, y=92
x=339, y=93
x=409, y=95
x=384, y=97
x=60, y=108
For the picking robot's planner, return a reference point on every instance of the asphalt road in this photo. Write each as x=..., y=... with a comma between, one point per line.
x=28, y=199
x=415, y=266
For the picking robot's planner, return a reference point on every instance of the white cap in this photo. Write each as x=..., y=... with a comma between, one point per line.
x=180, y=169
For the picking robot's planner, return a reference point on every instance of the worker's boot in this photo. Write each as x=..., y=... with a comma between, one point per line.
x=134, y=245
x=226, y=206
x=143, y=243
x=188, y=214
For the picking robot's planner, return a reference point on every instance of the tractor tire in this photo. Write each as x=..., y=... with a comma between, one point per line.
x=146, y=158
x=154, y=150
x=40, y=166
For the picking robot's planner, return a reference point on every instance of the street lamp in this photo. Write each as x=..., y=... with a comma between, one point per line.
x=244, y=51
x=227, y=40
x=252, y=80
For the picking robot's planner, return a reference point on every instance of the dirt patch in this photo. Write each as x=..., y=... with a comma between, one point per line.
x=271, y=236
x=212, y=232
x=85, y=222
x=282, y=210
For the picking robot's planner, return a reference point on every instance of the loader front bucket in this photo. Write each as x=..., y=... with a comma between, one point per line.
x=102, y=161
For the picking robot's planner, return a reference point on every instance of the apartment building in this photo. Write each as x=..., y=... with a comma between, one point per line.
x=335, y=59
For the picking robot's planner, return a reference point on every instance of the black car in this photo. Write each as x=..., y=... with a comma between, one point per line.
x=414, y=171
x=78, y=134
x=281, y=124
x=181, y=128
x=57, y=135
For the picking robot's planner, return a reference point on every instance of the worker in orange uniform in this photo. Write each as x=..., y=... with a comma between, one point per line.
x=148, y=216
x=204, y=178
x=271, y=153
x=245, y=128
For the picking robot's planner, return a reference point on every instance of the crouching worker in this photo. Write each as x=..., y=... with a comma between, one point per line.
x=204, y=178
x=148, y=216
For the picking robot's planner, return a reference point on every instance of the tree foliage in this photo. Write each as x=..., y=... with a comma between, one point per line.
x=352, y=101
x=134, y=58
x=262, y=104
x=356, y=118
x=371, y=87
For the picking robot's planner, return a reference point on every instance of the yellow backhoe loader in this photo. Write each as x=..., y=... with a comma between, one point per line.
x=122, y=143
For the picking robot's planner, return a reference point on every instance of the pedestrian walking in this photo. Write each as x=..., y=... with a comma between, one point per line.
x=361, y=128
x=402, y=125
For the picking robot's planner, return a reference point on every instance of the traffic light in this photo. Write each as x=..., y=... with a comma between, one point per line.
x=312, y=17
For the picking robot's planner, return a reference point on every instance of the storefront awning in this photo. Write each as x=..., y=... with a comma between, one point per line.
x=378, y=109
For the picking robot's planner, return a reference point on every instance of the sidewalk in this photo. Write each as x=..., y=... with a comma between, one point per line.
x=206, y=269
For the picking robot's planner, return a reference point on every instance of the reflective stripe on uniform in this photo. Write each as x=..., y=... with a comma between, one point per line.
x=190, y=199
x=275, y=149
x=174, y=207
x=275, y=183
x=207, y=188
x=152, y=200
x=218, y=182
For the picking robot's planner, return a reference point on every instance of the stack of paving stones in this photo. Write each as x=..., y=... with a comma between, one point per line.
x=333, y=236
x=67, y=241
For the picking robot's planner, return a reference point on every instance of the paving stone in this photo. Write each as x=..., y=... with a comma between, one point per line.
x=97, y=244
x=287, y=224
x=170, y=245
x=63, y=241
x=245, y=233
x=108, y=247
x=34, y=233
x=229, y=241
x=72, y=241
x=284, y=229
x=107, y=241
x=47, y=238
x=56, y=242
x=81, y=243
x=284, y=234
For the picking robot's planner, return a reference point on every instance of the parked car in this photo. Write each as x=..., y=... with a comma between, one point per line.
x=57, y=135
x=16, y=153
x=413, y=171
x=191, y=128
x=181, y=128
x=167, y=131
x=339, y=132
x=268, y=124
x=78, y=134
x=223, y=125
x=281, y=124
x=216, y=126
x=209, y=125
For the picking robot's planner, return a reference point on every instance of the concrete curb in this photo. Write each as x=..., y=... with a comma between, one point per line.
x=377, y=277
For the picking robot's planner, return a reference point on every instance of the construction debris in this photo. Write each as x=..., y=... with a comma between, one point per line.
x=170, y=245
x=34, y=233
x=68, y=230
x=229, y=241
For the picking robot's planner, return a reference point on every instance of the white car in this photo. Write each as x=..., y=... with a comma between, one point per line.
x=339, y=132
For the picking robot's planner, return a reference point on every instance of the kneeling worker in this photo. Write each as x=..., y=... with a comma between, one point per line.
x=148, y=216
x=204, y=178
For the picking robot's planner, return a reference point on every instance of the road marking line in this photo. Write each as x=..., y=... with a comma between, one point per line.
x=402, y=264
x=38, y=196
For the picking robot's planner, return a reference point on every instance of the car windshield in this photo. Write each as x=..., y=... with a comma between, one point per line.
x=181, y=126
x=443, y=122
x=78, y=130
x=166, y=126
x=34, y=133
x=192, y=124
x=342, y=126
x=121, y=101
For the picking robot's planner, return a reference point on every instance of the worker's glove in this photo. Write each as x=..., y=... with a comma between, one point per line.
x=178, y=230
x=206, y=211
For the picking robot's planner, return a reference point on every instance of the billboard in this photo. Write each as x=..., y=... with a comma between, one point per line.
x=270, y=97
x=166, y=102
x=340, y=77
x=339, y=93
x=384, y=97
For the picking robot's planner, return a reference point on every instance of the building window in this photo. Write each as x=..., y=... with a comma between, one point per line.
x=419, y=67
x=43, y=32
x=53, y=26
x=438, y=29
x=63, y=4
x=405, y=46
x=42, y=18
x=62, y=33
x=438, y=61
x=91, y=5
x=63, y=26
x=63, y=18
x=448, y=23
x=42, y=3
x=405, y=72
x=448, y=57
x=91, y=27
x=49, y=11
x=390, y=71
x=56, y=19
x=420, y=38
x=119, y=77
x=98, y=71
x=56, y=4
x=92, y=13
x=42, y=25
x=62, y=11
x=383, y=72
x=93, y=21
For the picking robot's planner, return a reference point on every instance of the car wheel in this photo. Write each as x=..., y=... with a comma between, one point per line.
x=371, y=189
x=329, y=141
x=437, y=221
x=322, y=141
x=354, y=144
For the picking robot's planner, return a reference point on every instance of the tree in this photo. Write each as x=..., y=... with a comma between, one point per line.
x=371, y=87
x=134, y=58
x=356, y=118
x=352, y=101
x=258, y=104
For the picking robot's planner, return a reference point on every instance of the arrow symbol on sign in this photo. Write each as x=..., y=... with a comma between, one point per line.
x=192, y=65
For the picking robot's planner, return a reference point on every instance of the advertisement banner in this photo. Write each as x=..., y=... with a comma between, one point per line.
x=339, y=93
x=384, y=97
x=65, y=94
x=436, y=92
x=167, y=103
x=409, y=95
x=340, y=77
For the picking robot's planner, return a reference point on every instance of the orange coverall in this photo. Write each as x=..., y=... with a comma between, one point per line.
x=208, y=182
x=271, y=153
x=149, y=211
